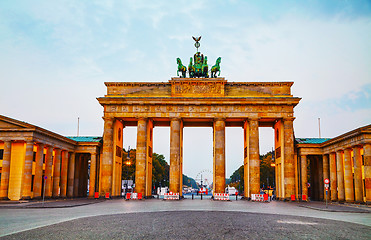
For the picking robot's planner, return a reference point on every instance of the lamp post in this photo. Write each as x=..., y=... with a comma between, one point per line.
x=128, y=163
x=273, y=165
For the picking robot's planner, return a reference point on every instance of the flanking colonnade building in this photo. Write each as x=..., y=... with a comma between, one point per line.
x=83, y=166
x=31, y=156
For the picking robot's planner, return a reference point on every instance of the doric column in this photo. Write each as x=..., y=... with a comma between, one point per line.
x=57, y=172
x=289, y=166
x=93, y=167
x=76, y=185
x=340, y=175
x=71, y=175
x=27, y=178
x=246, y=138
x=107, y=157
x=358, y=184
x=64, y=171
x=333, y=177
x=5, y=170
x=304, y=176
x=48, y=171
x=141, y=157
x=320, y=178
x=325, y=166
x=348, y=176
x=219, y=155
x=175, y=154
x=367, y=170
x=254, y=160
x=37, y=181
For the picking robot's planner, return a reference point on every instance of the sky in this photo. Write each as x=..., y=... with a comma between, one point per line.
x=56, y=56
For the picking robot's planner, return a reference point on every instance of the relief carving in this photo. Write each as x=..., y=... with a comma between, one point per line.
x=198, y=88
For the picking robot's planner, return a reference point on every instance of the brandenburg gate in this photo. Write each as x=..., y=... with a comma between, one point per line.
x=212, y=102
x=200, y=100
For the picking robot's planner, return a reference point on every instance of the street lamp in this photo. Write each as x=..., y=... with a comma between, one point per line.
x=128, y=163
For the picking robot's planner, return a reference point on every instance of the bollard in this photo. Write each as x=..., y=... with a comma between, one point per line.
x=236, y=197
x=201, y=196
x=192, y=196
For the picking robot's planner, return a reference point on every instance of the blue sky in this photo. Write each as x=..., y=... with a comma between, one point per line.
x=55, y=57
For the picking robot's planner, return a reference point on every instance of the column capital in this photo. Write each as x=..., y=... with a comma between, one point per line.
x=108, y=118
x=219, y=119
x=288, y=119
x=175, y=119
x=253, y=119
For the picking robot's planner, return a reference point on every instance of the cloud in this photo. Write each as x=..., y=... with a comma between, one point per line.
x=55, y=57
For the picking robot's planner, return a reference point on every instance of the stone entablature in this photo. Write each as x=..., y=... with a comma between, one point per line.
x=195, y=87
x=359, y=136
x=199, y=98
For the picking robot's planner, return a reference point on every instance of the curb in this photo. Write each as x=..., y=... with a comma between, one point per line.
x=333, y=210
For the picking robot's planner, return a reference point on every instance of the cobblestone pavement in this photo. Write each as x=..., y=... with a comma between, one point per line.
x=198, y=225
x=22, y=219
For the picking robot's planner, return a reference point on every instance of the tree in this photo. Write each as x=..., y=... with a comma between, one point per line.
x=266, y=173
x=128, y=165
x=160, y=170
x=266, y=170
x=190, y=182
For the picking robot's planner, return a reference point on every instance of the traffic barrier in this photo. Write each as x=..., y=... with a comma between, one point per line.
x=134, y=196
x=260, y=197
x=304, y=197
x=171, y=196
x=292, y=197
x=221, y=196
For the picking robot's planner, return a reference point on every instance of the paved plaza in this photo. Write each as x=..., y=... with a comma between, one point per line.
x=185, y=219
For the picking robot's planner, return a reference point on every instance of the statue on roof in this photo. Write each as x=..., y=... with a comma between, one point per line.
x=198, y=66
x=181, y=68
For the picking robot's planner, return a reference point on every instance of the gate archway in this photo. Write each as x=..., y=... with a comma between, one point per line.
x=213, y=102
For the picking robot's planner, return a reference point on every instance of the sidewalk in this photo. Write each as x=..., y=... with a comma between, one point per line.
x=336, y=207
x=50, y=203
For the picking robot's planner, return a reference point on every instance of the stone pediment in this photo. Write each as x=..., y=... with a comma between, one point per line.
x=9, y=123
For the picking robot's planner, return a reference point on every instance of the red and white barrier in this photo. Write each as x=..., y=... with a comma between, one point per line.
x=221, y=196
x=171, y=196
x=259, y=197
x=134, y=196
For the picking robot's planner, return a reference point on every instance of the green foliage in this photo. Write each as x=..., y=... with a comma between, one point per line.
x=160, y=171
x=266, y=173
x=128, y=165
x=190, y=182
x=236, y=179
x=266, y=170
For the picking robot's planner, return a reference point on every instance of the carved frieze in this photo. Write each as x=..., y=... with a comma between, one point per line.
x=197, y=88
x=201, y=108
